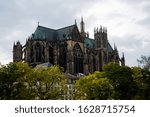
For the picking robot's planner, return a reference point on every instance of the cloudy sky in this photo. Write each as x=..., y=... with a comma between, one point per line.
x=127, y=21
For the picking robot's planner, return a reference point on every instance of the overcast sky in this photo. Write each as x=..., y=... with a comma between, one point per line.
x=127, y=21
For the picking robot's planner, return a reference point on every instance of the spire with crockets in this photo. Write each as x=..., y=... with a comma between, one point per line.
x=82, y=28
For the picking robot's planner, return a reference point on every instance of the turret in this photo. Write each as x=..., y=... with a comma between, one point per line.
x=115, y=48
x=116, y=54
x=82, y=28
x=17, y=52
x=100, y=36
x=123, y=60
x=75, y=22
x=82, y=25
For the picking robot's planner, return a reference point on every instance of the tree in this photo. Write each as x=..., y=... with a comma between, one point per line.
x=9, y=87
x=122, y=80
x=45, y=83
x=141, y=77
x=20, y=81
x=144, y=62
x=94, y=86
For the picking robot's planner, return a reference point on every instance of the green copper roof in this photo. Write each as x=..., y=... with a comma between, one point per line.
x=89, y=42
x=61, y=34
x=110, y=49
x=44, y=33
x=51, y=34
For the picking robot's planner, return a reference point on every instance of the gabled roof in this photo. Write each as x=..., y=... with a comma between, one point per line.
x=44, y=33
x=63, y=33
x=52, y=34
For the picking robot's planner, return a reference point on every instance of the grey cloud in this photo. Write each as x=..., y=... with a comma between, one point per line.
x=19, y=15
x=129, y=41
x=145, y=22
x=135, y=2
x=132, y=46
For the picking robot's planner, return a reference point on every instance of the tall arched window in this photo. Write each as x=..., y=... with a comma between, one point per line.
x=94, y=63
x=51, y=55
x=62, y=56
x=78, y=59
x=32, y=54
x=38, y=52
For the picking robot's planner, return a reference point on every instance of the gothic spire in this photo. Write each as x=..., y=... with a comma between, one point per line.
x=123, y=60
x=100, y=28
x=75, y=22
x=106, y=29
x=123, y=56
x=114, y=46
x=14, y=43
x=82, y=25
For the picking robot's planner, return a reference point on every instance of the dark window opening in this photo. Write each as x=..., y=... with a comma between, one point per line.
x=38, y=52
x=94, y=64
x=51, y=55
x=62, y=57
x=31, y=54
x=78, y=59
x=100, y=60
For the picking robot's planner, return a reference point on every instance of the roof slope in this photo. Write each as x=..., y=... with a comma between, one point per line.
x=52, y=34
x=61, y=34
x=89, y=42
x=44, y=33
x=110, y=49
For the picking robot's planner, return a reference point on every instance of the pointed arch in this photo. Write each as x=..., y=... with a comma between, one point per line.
x=51, y=54
x=62, y=55
x=38, y=52
x=78, y=59
x=32, y=54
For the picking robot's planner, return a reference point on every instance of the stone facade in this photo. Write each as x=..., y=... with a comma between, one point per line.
x=69, y=48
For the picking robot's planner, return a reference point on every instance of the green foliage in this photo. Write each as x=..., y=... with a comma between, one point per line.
x=122, y=80
x=115, y=82
x=19, y=81
x=144, y=62
x=45, y=83
x=9, y=87
x=141, y=77
x=94, y=86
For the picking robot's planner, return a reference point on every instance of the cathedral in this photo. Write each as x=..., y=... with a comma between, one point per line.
x=68, y=47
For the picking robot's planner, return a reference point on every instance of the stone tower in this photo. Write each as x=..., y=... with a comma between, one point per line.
x=101, y=44
x=17, y=52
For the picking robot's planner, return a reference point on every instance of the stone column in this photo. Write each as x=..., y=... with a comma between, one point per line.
x=85, y=64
